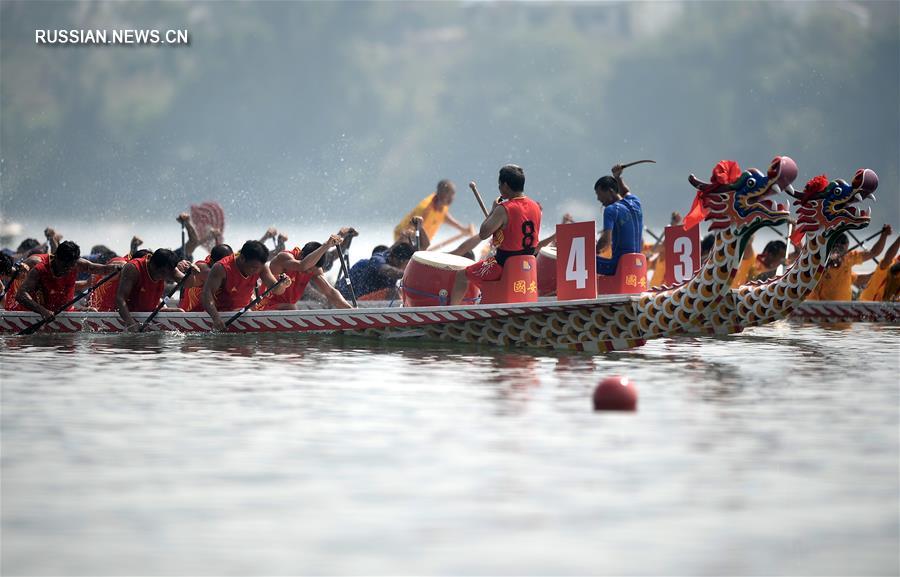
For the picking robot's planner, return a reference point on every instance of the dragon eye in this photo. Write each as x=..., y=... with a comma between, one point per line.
x=751, y=182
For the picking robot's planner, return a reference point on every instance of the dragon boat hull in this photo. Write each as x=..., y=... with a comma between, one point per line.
x=844, y=311
x=570, y=325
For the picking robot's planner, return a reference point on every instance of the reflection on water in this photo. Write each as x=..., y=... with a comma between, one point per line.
x=278, y=453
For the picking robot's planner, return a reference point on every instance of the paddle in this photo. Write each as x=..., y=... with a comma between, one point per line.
x=255, y=301
x=444, y=243
x=345, y=268
x=862, y=242
x=78, y=297
x=162, y=303
x=638, y=162
x=417, y=234
x=183, y=255
x=478, y=198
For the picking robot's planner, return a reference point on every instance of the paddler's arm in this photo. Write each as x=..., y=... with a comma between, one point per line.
x=309, y=262
x=193, y=240
x=424, y=239
x=213, y=283
x=495, y=221
x=455, y=223
x=546, y=242
x=617, y=174
x=890, y=254
x=84, y=265
x=25, y=298
x=127, y=280
x=335, y=298
x=604, y=240
x=181, y=269
x=269, y=280
x=467, y=245
x=876, y=249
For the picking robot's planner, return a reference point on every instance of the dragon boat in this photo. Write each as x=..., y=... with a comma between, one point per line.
x=735, y=207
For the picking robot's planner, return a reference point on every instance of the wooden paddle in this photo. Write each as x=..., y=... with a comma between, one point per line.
x=444, y=243
x=162, y=303
x=646, y=160
x=345, y=268
x=78, y=297
x=478, y=198
x=418, y=235
x=283, y=277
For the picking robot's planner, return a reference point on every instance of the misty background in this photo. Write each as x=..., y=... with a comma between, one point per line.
x=347, y=112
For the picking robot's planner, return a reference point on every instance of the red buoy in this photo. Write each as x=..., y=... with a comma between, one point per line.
x=615, y=394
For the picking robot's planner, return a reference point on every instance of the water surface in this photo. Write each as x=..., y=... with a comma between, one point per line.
x=770, y=452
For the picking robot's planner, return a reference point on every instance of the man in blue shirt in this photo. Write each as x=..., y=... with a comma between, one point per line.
x=623, y=220
x=381, y=271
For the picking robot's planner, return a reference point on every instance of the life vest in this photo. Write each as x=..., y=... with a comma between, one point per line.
x=53, y=291
x=293, y=293
x=192, y=297
x=523, y=228
x=10, y=303
x=104, y=297
x=236, y=290
x=146, y=292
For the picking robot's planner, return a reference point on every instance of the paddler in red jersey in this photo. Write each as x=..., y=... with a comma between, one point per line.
x=514, y=221
x=192, y=296
x=143, y=281
x=17, y=277
x=303, y=266
x=51, y=283
x=231, y=281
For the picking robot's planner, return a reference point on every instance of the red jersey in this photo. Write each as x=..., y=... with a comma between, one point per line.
x=104, y=297
x=146, y=292
x=293, y=293
x=53, y=291
x=523, y=227
x=236, y=290
x=192, y=297
x=10, y=303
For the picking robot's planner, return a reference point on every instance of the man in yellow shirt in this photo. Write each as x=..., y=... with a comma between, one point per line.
x=743, y=272
x=835, y=284
x=875, y=289
x=434, y=210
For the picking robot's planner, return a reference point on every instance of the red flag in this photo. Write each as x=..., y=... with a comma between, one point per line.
x=725, y=172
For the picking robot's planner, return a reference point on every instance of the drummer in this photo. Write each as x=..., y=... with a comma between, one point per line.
x=434, y=210
x=514, y=221
x=51, y=283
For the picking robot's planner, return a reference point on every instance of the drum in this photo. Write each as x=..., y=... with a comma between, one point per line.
x=546, y=271
x=429, y=278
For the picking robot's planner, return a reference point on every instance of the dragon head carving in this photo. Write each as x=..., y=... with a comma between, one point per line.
x=742, y=200
x=829, y=206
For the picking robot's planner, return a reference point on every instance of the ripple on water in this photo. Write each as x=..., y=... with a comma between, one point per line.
x=288, y=454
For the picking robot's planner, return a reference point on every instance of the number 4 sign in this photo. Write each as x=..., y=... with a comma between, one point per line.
x=682, y=253
x=576, y=265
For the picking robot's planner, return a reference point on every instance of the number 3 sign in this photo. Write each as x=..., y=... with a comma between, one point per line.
x=682, y=253
x=576, y=265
